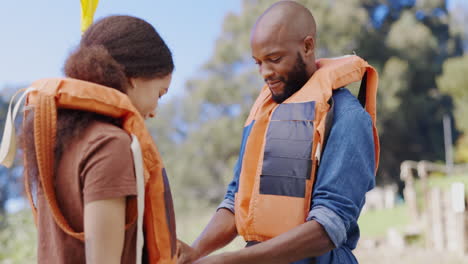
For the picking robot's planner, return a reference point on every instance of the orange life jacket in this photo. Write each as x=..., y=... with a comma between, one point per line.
x=283, y=149
x=48, y=95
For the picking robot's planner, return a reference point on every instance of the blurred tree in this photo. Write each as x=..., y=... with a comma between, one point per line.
x=5, y=174
x=414, y=39
x=11, y=184
x=454, y=82
x=18, y=242
x=459, y=22
x=17, y=231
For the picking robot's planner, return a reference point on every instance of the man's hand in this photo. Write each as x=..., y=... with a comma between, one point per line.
x=185, y=253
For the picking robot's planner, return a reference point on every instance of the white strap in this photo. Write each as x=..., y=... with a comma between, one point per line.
x=140, y=180
x=8, y=145
x=318, y=153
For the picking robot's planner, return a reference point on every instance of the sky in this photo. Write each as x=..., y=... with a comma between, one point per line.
x=37, y=36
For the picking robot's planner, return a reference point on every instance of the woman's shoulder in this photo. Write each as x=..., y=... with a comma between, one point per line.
x=106, y=166
x=107, y=130
x=101, y=134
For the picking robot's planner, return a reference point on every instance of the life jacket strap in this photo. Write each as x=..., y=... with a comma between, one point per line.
x=140, y=180
x=45, y=127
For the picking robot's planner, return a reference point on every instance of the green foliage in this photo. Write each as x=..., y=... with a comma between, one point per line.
x=18, y=242
x=461, y=154
x=411, y=108
x=374, y=224
x=6, y=178
x=395, y=78
x=454, y=82
x=445, y=182
x=417, y=44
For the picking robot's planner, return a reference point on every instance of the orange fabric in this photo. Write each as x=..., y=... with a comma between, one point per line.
x=27, y=186
x=80, y=95
x=260, y=217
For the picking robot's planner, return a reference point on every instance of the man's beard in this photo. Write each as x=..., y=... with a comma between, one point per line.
x=297, y=77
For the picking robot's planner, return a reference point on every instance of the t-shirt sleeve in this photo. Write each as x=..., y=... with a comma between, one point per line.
x=107, y=168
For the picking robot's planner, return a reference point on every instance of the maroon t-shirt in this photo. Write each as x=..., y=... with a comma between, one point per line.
x=97, y=166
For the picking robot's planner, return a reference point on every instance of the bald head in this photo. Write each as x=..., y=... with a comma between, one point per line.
x=283, y=47
x=288, y=19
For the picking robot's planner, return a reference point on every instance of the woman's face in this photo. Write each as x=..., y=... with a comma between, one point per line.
x=145, y=93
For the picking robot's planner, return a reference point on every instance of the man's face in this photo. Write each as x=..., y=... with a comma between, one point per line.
x=294, y=81
x=281, y=66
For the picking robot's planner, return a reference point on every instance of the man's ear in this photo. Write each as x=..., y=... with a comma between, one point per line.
x=309, y=46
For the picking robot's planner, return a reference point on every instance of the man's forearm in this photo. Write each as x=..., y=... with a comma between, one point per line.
x=307, y=240
x=219, y=232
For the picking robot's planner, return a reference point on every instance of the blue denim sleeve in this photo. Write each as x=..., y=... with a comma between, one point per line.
x=228, y=201
x=232, y=188
x=345, y=174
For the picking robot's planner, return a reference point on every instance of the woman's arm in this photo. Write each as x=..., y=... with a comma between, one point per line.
x=219, y=232
x=104, y=226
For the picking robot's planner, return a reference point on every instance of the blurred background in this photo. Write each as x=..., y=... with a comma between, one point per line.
x=417, y=214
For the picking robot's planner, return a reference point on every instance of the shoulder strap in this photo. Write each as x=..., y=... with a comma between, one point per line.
x=328, y=126
x=367, y=98
x=328, y=122
x=363, y=91
x=330, y=114
x=329, y=119
x=45, y=124
x=140, y=180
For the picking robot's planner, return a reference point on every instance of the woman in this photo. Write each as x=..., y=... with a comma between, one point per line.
x=93, y=182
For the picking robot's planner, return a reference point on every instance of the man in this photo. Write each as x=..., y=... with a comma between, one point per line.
x=283, y=46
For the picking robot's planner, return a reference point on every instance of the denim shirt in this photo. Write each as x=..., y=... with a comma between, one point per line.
x=345, y=174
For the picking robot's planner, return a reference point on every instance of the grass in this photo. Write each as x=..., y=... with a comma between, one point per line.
x=445, y=182
x=18, y=240
x=439, y=180
x=374, y=224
